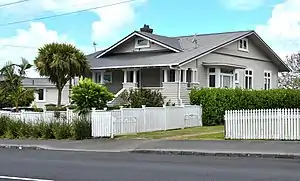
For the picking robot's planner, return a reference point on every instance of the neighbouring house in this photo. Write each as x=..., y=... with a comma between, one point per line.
x=46, y=92
x=174, y=65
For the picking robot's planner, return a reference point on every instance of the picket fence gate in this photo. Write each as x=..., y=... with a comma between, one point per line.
x=145, y=119
x=269, y=124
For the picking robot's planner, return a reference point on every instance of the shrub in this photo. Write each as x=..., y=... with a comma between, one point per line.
x=81, y=129
x=138, y=97
x=88, y=94
x=78, y=129
x=216, y=101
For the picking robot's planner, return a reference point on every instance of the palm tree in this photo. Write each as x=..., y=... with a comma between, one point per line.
x=61, y=62
x=11, y=86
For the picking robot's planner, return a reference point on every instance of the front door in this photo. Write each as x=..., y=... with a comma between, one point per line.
x=226, y=80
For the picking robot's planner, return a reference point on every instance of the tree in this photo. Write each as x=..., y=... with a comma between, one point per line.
x=12, y=91
x=88, y=94
x=60, y=63
x=291, y=79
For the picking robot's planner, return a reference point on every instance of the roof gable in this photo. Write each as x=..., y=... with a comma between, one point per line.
x=164, y=42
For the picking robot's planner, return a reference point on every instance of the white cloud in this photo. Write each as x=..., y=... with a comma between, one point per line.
x=243, y=4
x=282, y=31
x=111, y=18
x=25, y=43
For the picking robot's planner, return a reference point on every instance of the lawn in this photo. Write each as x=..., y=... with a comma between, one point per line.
x=205, y=132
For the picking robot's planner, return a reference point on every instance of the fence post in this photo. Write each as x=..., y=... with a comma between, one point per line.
x=92, y=122
x=166, y=117
x=22, y=115
x=144, y=117
x=68, y=114
x=122, y=118
x=44, y=113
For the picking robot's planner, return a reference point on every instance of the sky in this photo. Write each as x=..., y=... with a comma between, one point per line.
x=276, y=21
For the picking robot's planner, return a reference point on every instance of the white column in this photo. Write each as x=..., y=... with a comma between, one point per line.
x=218, y=81
x=165, y=75
x=134, y=76
x=184, y=75
x=102, y=78
x=94, y=76
x=125, y=76
x=194, y=76
x=177, y=78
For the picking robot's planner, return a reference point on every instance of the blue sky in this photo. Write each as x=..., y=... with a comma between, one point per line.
x=277, y=21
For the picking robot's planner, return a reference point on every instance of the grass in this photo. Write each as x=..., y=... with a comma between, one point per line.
x=179, y=134
x=212, y=136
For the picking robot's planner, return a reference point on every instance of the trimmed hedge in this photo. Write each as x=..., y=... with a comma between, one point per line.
x=216, y=101
x=77, y=129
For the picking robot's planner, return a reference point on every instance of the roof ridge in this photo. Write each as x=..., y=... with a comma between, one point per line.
x=216, y=33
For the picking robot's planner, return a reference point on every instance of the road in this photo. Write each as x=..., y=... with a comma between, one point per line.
x=32, y=165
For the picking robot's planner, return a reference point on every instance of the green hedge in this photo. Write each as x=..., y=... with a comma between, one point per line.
x=76, y=129
x=216, y=101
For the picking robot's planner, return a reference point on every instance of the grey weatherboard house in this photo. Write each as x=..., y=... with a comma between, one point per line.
x=174, y=65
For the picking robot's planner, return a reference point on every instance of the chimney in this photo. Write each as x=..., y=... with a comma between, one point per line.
x=146, y=29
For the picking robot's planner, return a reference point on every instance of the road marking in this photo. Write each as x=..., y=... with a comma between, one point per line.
x=20, y=178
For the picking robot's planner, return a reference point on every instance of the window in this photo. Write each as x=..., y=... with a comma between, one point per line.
x=211, y=77
x=236, y=77
x=142, y=43
x=248, y=79
x=107, y=78
x=267, y=80
x=226, y=78
x=243, y=45
x=41, y=95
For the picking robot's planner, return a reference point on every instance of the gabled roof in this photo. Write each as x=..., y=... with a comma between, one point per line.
x=184, y=50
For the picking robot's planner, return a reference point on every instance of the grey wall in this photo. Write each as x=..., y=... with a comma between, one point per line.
x=151, y=77
x=117, y=81
x=129, y=46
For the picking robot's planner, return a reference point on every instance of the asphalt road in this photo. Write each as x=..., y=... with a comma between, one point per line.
x=32, y=165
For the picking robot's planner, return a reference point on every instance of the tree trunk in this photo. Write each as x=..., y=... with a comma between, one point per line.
x=59, y=97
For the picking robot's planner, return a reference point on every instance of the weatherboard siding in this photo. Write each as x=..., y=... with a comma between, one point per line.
x=129, y=46
x=258, y=67
x=51, y=97
x=253, y=53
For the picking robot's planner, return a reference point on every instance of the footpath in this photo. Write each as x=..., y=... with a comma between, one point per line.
x=265, y=149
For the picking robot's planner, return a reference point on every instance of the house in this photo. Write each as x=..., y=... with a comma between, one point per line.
x=46, y=92
x=174, y=65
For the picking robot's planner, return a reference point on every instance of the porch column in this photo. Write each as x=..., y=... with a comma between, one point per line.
x=134, y=76
x=94, y=76
x=194, y=76
x=218, y=81
x=177, y=73
x=165, y=75
x=102, y=77
x=125, y=76
x=184, y=75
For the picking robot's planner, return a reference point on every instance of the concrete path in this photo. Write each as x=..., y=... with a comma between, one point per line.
x=43, y=165
x=285, y=149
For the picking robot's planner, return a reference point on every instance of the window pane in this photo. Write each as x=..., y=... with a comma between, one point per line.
x=250, y=82
x=172, y=76
x=245, y=44
x=241, y=43
x=226, y=71
x=246, y=82
x=41, y=94
x=211, y=70
x=107, y=78
x=250, y=72
x=212, y=81
x=236, y=77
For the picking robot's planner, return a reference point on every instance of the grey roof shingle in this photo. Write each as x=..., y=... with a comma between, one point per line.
x=184, y=43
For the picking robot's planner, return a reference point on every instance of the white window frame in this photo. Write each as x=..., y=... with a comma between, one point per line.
x=98, y=77
x=266, y=78
x=141, y=46
x=230, y=75
x=247, y=76
x=236, y=77
x=44, y=95
x=211, y=73
x=247, y=45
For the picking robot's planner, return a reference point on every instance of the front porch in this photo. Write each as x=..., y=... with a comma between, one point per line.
x=173, y=83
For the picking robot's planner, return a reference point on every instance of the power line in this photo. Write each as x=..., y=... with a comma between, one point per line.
x=12, y=3
x=64, y=14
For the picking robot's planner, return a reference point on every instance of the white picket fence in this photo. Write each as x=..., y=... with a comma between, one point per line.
x=273, y=124
x=146, y=119
x=47, y=116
